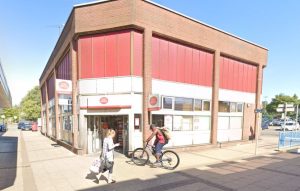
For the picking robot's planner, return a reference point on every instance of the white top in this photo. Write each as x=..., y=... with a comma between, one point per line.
x=108, y=148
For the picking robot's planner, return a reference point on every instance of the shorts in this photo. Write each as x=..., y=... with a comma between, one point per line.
x=158, y=148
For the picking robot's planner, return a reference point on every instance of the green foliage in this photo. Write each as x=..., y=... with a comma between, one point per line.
x=31, y=105
x=11, y=113
x=281, y=99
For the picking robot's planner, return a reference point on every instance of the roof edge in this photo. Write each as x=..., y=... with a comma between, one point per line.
x=90, y=3
x=195, y=20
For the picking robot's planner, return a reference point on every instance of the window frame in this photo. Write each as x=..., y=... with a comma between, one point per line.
x=163, y=103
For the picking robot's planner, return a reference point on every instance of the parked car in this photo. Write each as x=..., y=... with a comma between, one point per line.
x=276, y=122
x=265, y=124
x=20, y=124
x=3, y=127
x=27, y=125
x=290, y=126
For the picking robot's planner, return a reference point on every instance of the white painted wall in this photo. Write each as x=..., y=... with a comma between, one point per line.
x=162, y=87
x=236, y=96
x=113, y=85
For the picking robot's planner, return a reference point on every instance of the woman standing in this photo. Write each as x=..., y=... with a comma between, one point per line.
x=108, y=153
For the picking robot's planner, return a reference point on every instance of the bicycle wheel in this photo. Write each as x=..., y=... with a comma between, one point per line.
x=140, y=157
x=170, y=160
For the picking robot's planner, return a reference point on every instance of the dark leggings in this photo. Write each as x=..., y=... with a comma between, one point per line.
x=110, y=169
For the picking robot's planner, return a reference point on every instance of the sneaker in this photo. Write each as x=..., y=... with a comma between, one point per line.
x=157, y=163
x=113, y=181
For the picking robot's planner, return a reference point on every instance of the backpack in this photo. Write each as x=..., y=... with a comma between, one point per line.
x=166, y=133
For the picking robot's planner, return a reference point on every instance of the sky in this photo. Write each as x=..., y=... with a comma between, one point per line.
x=29, y=30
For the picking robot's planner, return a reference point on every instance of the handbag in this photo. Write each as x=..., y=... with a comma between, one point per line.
x=96, y=165
x=106, y=164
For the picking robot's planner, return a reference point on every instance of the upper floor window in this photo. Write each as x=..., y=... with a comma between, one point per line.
x=167, y=102
x=184, y=104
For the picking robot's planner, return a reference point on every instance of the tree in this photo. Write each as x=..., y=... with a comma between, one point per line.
x=11, y=112
x=281, y=99
x=31, y=105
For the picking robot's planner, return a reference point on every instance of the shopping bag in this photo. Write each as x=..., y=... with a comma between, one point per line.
x=95, y=165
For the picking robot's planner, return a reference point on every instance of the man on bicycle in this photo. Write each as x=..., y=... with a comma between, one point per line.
x=159, y=142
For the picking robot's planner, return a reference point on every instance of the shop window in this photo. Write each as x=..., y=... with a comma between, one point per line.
x=182, y=123
x=67, y=122
x=137, y=121
x=233, y=107
x=239, y=107
x=184, y=104
x=206, y=105
x=167, y=102
x=201, y=123
x=198, y=105
x=224, y=106
x=158, y=120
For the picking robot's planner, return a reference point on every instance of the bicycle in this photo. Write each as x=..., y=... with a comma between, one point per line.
x=169, y=159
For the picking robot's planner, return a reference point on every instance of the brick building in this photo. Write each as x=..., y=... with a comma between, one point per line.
x=125, y=64
x=5, y=96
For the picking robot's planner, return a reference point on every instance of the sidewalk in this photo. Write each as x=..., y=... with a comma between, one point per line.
x=55, y=168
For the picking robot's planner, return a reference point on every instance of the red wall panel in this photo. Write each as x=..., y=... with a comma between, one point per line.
x=237, y=75
x=209, y=71
x=51, y=87
x=240, y=76
x=108, y=55
x=195, y=67
x=138, y=54
x=202, y=68
x=175, y=62
x=254, y=85
x=249, y=86
x=188, y=61
x=172, y=61
x=63, y=70
x=221, y=81
x=86, y=70
x=43, y=92
x=98, y=56
x=123, y=54
x=155, y=58
x=180, y=64
x=111, y=68
x=163, y=60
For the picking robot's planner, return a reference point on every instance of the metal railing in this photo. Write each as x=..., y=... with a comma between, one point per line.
x=288, y=139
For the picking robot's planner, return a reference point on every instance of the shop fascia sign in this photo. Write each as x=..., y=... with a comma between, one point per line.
x=154, y=102
x=63, y=86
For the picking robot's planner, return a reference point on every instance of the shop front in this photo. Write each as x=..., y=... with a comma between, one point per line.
x=97, y=126
x=121, y=113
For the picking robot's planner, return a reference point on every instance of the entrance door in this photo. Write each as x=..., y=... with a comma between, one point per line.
x=119, y=123
x=96, y=127
x=94, y=134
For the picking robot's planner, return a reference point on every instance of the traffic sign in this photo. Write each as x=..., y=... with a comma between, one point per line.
x=290, y=105
x=287, y=105
x=290, y=109
x=279, y=109
x=258, y=110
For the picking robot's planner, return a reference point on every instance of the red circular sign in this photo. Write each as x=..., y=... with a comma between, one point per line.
x=63, y=85
x=153, y=100
x=103, y=100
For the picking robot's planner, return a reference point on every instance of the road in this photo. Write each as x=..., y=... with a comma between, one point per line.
x=30, y=161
